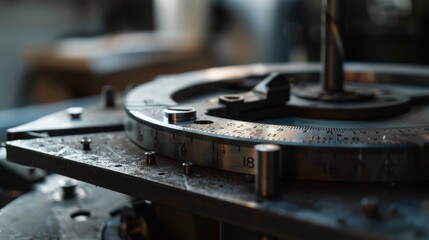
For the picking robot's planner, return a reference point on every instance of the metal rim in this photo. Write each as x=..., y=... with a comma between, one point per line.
x=228, y=144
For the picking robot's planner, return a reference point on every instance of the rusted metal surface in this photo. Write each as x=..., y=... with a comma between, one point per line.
x=41, y=215
x=303, y=210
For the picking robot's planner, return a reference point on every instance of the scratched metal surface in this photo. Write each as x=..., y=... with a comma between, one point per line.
x=382, y=150
x=39, y=215
x=303, y=210
x=95, y=118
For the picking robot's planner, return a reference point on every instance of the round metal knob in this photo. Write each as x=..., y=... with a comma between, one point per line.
x=86, y=143
x=108, y=96
x=179, y=114
x=75, y=112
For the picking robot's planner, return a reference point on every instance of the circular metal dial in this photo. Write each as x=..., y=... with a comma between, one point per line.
x=389, y=149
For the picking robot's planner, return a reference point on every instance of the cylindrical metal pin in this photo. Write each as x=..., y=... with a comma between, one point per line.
x=150, y=157
x=86, y=143
x=180, y=114
x=188, y=168
x=108, y=96
x=371, y=207
x=268, y=163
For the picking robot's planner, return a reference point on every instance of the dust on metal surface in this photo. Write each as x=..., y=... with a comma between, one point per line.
x=40, y=215
x=328, y=209
x=384, y=149
x=94, y=118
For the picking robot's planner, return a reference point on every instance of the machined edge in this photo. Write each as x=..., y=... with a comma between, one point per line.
x=354, y=162
x=209, y=189
x=228, y=144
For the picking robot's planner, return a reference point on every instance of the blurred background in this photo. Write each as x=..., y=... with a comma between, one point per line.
x=53, y=50
x=56, y=54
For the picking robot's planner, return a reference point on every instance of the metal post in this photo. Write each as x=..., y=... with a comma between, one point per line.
x=268, y=162
x=332, y=53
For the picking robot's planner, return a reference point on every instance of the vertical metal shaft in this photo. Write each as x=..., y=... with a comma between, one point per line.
x=332, y=54
x=108, y=96
x=268, y=162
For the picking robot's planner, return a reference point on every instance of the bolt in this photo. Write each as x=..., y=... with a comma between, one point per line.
x=150, y=157
x=371, y=207
x=188, y=168
x=268, y=163
x=69, y=189
x=75, y=112
x=86, y=143
x=179, y=114
x=108, y=96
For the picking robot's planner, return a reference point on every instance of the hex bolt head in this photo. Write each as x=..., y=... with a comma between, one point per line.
x=68, y=189
x=188, y=168
x=371, y=207
x=108, y=96
x=75, y=113
x=150, y=158
x=86, y=143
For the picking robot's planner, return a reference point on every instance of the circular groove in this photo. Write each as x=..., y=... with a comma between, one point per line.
x=312, y=152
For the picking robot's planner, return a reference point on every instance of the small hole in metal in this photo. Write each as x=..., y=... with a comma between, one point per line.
x=203, y=122
x=118, y=165
x=161, y=174
x=232, y=97
x=180, y=109
x=80, y=216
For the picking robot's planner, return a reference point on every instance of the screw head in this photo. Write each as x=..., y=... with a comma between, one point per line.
x=86, y=143
x=371, y=207
x=69, y=189
x=150, y=158
x=188, y=168
x=74, y=112
x=180, y=114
